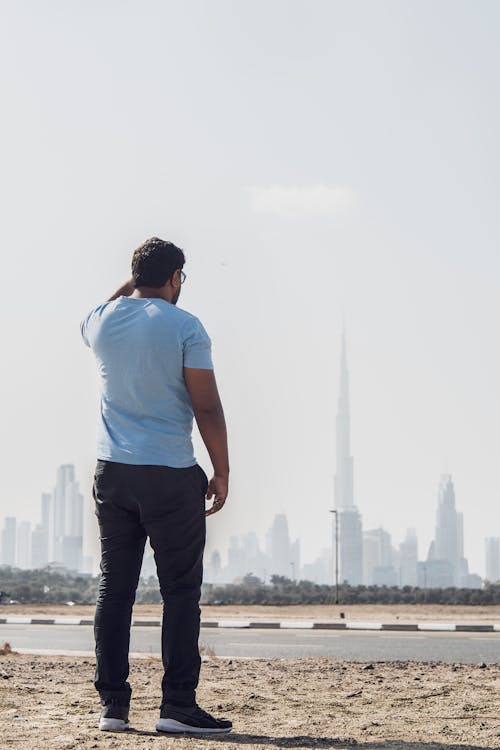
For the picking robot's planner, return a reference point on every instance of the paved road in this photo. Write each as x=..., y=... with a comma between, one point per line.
x=357, y=646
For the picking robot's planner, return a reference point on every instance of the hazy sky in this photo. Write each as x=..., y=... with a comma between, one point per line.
x=319, y=162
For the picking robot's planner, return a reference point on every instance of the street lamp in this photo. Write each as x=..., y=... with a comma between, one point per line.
x=336, y=555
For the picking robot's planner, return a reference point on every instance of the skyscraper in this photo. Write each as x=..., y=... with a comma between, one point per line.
x=66, y=517
x=284, y=556
x=378, y=559
x=42, y=536
x=9, y=541
x=492, y=559
x=350, y=527
x=24, y=545
x=39, y=547
x=449, y=529
x=446, y=564
x=408, y=559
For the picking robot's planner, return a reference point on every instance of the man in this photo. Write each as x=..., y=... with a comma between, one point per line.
x=156, y=373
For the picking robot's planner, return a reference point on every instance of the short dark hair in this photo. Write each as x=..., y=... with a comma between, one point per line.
x=155, y=262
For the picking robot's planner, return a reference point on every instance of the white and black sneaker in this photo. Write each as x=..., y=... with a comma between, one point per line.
x=114, y=716
x=190, y=719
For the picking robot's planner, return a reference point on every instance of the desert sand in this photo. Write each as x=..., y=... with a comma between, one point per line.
x=50, y=702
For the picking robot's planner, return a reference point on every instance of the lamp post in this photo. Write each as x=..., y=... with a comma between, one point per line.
x=336, y=555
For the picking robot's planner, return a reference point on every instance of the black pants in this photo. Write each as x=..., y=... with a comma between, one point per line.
x=167, y=505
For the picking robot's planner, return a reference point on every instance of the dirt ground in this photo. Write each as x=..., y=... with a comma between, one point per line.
x=50, y=702
x=370, y=613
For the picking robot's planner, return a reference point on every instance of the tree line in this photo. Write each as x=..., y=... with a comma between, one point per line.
x=283, y=591
x=50, y=587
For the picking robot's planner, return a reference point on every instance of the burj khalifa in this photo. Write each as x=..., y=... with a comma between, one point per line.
x=350, y=527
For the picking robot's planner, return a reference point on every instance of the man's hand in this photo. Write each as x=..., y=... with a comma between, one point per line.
x=125, y=290
x=217, y=489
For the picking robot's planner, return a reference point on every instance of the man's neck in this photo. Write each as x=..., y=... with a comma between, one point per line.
x=149, y=292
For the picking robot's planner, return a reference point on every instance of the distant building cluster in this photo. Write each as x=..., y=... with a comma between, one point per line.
x=358, y=556
x=280, y=556
x=57, y=541
x=493, y=559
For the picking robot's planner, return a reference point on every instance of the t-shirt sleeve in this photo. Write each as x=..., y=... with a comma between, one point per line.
x=197, y=347
x=84, y=328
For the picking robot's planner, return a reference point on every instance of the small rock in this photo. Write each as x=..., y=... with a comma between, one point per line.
x=368, y=666
x=483, y=665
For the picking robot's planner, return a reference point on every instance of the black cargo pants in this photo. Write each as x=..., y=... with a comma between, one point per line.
x=167, y=505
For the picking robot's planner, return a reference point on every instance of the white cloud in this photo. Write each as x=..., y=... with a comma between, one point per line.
x=303, y=202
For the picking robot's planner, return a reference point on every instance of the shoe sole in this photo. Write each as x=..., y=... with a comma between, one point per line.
x=113, y=725
x=175, y=727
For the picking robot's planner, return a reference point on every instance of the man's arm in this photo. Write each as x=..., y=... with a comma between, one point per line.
x=209, y=416
x=125, y=290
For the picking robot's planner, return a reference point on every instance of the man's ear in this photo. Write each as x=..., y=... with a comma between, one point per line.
x=174, y=281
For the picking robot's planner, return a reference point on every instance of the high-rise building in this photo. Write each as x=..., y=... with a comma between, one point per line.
x=65, y=513
x=434, y=574
x=378, y=559
x=9, y=541
x=43, y=533
x=408, y=558
x=321, y=570
x=235, y=558
x=212, y=569
x=349, y=519
x=449, y=539
x=446, y=564
x=24, y=545
x=39, y=547
x=47, y=521
x=283, y=555
x=492, y=559
x=350, y=547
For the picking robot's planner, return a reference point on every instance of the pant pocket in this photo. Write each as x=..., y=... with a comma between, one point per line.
x=204, y=479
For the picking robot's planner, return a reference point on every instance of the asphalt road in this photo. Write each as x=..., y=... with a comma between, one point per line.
x=470, y=648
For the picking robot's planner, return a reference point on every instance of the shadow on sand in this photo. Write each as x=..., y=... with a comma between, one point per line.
x=336, y=743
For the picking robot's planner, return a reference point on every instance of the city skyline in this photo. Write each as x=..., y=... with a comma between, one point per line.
x=365, y=556
x=56, y=543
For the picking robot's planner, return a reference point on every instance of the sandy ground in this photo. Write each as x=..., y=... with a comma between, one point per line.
x=324, y=613
x=50, y=702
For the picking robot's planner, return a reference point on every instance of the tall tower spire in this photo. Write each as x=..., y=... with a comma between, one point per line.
x=350, y=524
x=344, y=493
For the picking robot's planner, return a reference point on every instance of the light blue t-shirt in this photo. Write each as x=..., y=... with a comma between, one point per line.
x=141, y=347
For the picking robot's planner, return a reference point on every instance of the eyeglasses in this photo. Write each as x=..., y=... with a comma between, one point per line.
x=183, y=277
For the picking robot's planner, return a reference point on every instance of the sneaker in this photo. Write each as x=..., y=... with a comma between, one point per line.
x=114, y=716
x=192, y=719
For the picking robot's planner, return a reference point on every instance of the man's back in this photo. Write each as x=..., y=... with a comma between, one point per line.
x=142, y=347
